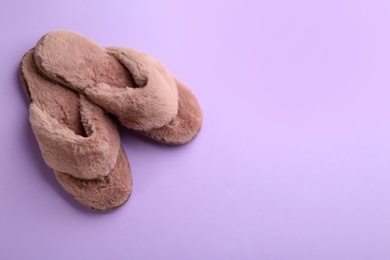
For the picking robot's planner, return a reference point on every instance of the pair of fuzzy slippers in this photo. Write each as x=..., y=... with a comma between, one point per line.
x=74, y=85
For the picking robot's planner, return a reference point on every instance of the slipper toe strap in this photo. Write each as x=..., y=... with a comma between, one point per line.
x=84, y=157
x=152, y=105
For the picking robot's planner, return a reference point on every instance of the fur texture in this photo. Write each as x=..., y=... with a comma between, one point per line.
x=132, y=85
x=78, y=140
x=102, y=194
x=186, y=125
x=138, y=91
x=188, y=121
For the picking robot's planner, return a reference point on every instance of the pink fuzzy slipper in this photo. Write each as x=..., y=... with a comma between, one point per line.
x=77, y=140
x=131, y=85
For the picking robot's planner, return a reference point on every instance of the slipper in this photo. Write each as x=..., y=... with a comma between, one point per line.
x=78, y=140
x=129, y=84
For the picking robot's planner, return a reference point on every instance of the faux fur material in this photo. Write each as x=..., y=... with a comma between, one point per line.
x=186, y=125
x=78, y=140
x=127, y=83
x=135, y=87
x=188, y=122
x=102, y=194
x=85, y=157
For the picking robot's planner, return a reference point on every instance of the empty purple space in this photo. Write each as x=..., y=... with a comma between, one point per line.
x=293, y=158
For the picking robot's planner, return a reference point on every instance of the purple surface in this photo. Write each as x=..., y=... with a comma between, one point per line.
x=292, y=162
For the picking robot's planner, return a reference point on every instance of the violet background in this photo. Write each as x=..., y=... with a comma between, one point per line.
x=293, y=158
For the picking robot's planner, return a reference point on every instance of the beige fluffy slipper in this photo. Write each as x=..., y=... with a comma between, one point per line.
x=78, y=140
x=129, y=84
